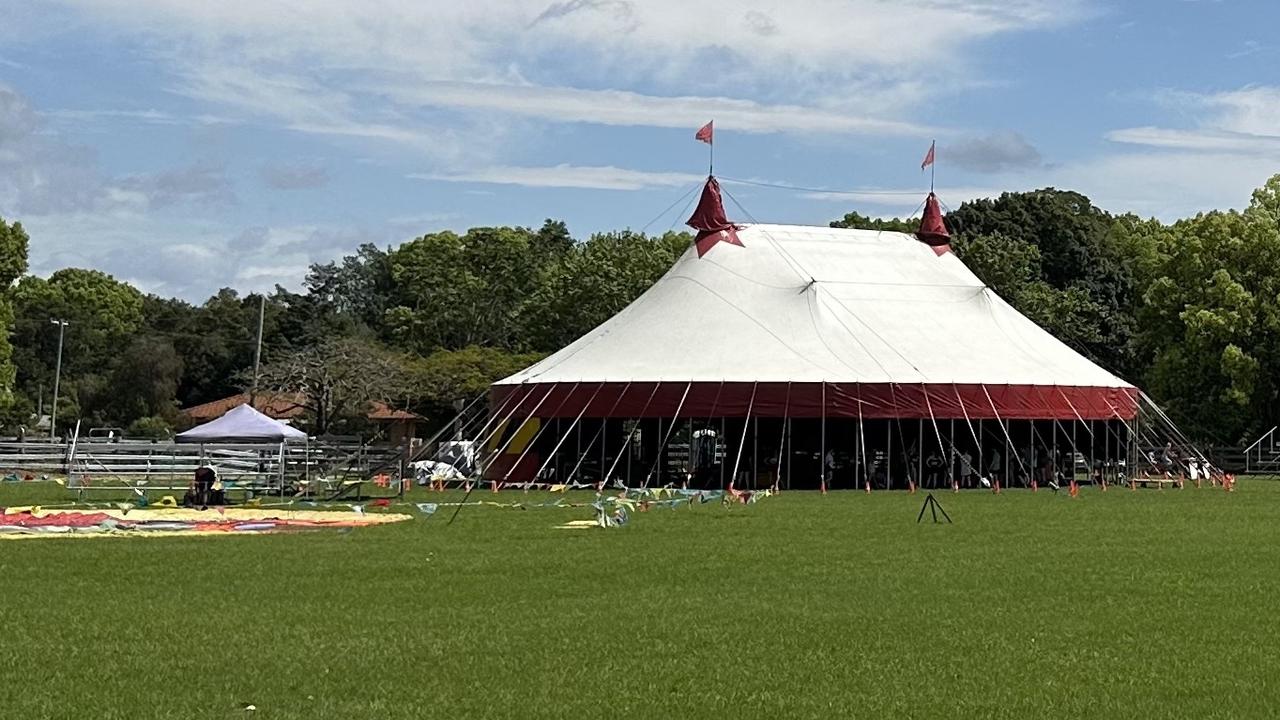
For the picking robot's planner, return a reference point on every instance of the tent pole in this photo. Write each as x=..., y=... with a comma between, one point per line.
x=822, y=446
x=1004, y=425
x=888, y=450
x=782, y=441
x=743, y=440
x=499, y=426
x=688, y=459
x=790, y=451
x=658, y=465
x=862, y=440
x=563, y=437
x=723, y=430
x=541, y=429
x=626, y=445
x=920, y=454
x=951, y=440
x=755, y=452
x=511, y=439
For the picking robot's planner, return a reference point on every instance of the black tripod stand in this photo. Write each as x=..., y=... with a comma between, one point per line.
x=933, y=506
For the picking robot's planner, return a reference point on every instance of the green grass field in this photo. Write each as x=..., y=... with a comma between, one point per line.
x=1124, y=604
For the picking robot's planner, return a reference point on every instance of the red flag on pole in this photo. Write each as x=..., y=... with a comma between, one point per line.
x=928, y=158
x=705, y=133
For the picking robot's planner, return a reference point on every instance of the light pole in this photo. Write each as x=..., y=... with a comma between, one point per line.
x=57, y=375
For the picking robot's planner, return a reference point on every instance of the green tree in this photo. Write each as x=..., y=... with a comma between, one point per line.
x=1210, y=320
x=102, y=315
x=454, y=290
x=857, y=221
x=594, y=281
x=13, y=263
x=1080, y=254
x=359, y=285
x=446, y=376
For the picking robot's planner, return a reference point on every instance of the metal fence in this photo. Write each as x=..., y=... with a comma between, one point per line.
x=170, y=464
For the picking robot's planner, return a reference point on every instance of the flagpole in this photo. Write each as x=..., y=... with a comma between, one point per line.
x=711, y=153
x=933, y=166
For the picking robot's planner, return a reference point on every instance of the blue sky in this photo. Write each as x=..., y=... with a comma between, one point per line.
x=186, y=146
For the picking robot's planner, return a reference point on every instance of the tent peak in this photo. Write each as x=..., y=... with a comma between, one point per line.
x=710, y=221
x=933, y=231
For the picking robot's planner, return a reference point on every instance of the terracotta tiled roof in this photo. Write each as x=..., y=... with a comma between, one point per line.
x=382, y=411
x=278, y=406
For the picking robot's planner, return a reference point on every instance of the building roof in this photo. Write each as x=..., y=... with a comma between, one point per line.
x=381, y=411
x=285, y=406
x=280, y=406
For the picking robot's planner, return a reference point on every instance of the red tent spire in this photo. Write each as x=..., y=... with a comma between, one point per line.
x=710, y=221
x=933, y=232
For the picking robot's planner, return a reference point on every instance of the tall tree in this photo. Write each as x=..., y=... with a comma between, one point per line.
x=454, y=290
x=1210, y=320
x=334, y=381
x=1079, y=255
x=594, y=281
x=102, y=315
x=13, y=263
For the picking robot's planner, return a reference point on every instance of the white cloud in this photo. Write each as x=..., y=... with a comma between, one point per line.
x=567, y=176
x=1245, y=120
x=377, y=71
x=617, y=107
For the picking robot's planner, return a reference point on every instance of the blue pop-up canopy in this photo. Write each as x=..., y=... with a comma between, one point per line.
x=242, y=424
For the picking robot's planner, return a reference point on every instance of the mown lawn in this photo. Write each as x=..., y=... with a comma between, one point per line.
x=1125, y=604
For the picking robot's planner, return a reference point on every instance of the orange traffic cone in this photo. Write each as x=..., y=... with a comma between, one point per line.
x=1075, y=489
x=911, y=487
x=823, y=486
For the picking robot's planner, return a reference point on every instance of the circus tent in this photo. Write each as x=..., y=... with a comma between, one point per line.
x=786, y=322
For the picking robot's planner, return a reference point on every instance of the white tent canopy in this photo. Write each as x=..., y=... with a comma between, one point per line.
x=243, y=424
x=844, y=320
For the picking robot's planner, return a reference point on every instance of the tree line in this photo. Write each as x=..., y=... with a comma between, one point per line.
x=1189, y=311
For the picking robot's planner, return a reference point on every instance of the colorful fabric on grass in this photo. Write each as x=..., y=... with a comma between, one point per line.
x=29, y=522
